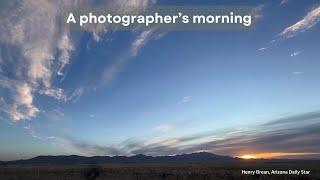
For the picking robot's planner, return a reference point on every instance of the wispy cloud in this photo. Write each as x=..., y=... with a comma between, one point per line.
x=283, y=2
x=184, y=100
x=76, y=94
x=22, y=106
x=258, y=11
x=263, y=49
x=121, y=6
x=141, y=40
x=53, y=115
x=307, y=22
x=296, y=53
x=164, y=128
x=31, y=131
x=110, y=72
x=65, y=46
x=56, y=93
x=297, y=72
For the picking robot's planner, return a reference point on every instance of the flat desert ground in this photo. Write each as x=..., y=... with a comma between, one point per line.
x=206, y=171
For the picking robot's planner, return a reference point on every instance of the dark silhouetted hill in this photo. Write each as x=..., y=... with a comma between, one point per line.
x=202, y=157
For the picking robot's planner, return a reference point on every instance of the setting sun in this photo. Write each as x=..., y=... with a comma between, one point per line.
x=248, y=156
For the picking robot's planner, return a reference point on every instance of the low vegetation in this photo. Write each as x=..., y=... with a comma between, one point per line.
x=171, y=171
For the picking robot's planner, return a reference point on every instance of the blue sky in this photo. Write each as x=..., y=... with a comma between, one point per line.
x=228, y=92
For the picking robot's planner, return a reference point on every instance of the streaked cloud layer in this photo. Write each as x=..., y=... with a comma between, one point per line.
x=293, y=136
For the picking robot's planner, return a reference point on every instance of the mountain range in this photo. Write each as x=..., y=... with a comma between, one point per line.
x=201, y=157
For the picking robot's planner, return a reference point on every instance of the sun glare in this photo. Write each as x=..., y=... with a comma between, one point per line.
x=248, y=156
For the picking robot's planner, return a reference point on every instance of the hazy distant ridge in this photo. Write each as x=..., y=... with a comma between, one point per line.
x=201, y=157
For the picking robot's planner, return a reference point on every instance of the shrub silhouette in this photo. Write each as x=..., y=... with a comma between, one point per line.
x=92, y=173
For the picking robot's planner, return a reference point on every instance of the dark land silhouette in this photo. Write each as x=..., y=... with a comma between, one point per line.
x=202, y=166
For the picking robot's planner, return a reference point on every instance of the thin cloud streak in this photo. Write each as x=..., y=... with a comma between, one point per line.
x=296, y=53
x=306, y=23
x=111, y=72
x=283, y=2
x=184, y=100
x=164, y=128
x=263, y=49
x=297, y=72
x=140, y=41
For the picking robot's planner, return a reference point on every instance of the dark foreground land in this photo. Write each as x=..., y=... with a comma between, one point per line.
x=172, y=171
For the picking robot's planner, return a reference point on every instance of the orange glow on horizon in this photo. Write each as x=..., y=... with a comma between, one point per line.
x=269, y=155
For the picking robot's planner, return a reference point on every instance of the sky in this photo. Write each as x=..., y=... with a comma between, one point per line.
x=99, y=92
